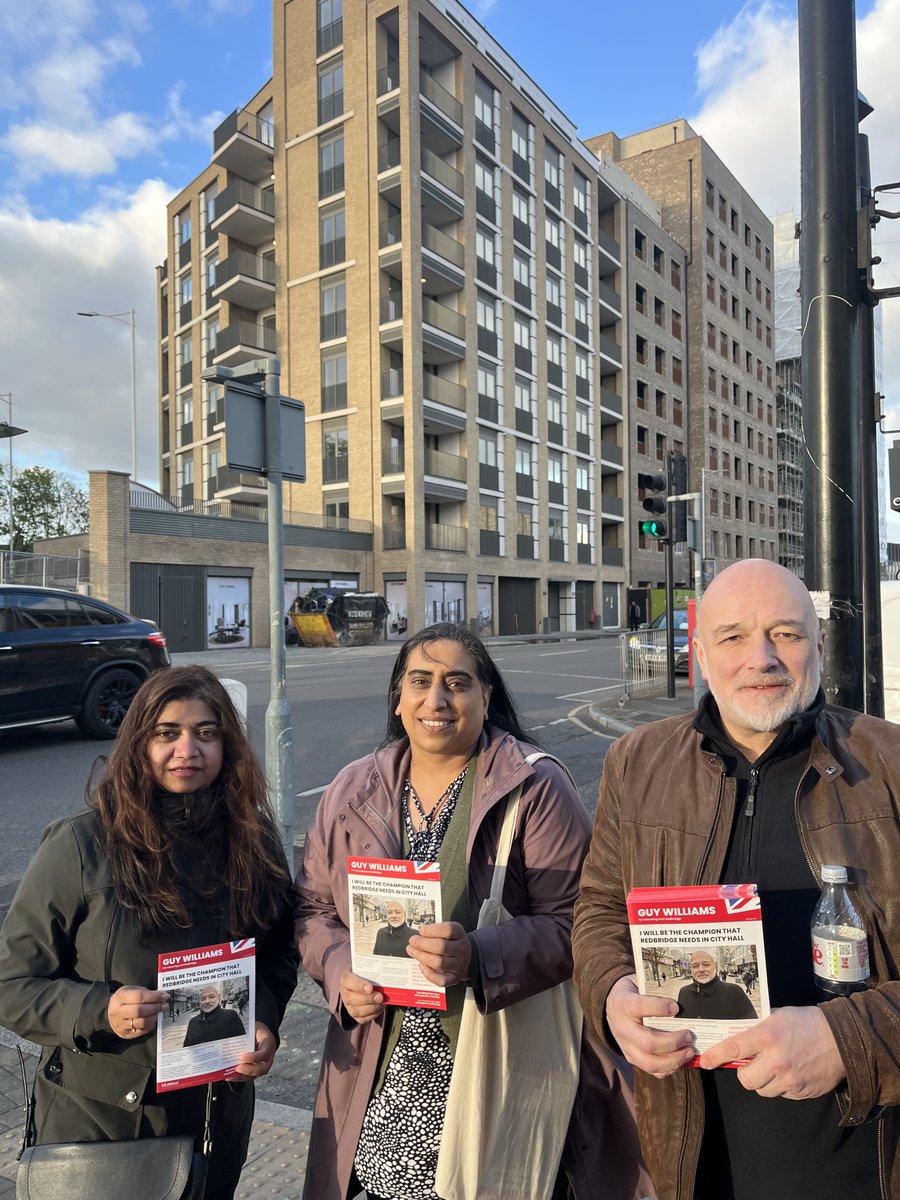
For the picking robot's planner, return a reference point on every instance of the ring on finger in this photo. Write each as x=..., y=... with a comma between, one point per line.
x=133, y=1030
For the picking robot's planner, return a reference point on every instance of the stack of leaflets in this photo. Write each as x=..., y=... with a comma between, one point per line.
x=703, y=948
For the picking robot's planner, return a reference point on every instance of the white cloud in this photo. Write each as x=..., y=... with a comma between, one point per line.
x=96, y=150
x=70, y=377
x=748, y=79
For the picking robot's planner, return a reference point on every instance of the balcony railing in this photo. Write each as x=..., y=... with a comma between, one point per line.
x=435, y=166
x=245, y=333
x=440, y=98
x=444, y=391
x=329, y=36
x=388, y=79
x=444, y=245
x=334, y=396
x=444, y=318
x=391, y=307
x=446, y=537
x=335, y=469
x=557, y=549
x=333, y=325
x=247, y=123
x=389, y=155
x=392, y=460
x=448, y=466
x=240, y=191
x=391, y=383
x=390, y=231
x=394, y=535
x=242, y=262
x=524, y=545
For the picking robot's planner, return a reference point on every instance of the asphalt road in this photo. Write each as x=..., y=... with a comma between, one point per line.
x=338, y=700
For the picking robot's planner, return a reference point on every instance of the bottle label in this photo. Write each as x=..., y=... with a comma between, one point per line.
x=841, y=955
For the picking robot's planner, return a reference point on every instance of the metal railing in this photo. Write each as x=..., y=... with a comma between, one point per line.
x=448, y=466
x=440, y=97
x=444, y=391
x=445, y=537
x=70, y=572
x=442, y=171
x=642, y=662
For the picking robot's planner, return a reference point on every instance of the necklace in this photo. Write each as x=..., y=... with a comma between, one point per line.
x=427, y=819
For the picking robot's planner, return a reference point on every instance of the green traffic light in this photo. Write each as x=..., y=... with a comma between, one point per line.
x=655, y=529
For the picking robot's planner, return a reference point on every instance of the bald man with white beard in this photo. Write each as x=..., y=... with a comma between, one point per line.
x=764, y=783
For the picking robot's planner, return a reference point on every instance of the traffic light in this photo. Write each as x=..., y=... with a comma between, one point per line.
x=678, y=487
x=654, y=501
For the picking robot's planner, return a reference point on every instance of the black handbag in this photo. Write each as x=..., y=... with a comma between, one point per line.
x=160, y=1168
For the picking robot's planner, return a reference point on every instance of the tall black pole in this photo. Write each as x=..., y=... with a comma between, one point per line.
x=870, y=407
x=830, y=301
x=670, y=573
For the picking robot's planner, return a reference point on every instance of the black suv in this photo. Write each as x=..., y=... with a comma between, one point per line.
x=62, y=655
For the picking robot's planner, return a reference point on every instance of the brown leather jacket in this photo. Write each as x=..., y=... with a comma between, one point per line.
x=664, y=818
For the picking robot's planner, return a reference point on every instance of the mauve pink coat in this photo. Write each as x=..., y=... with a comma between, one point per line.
x=360, y=813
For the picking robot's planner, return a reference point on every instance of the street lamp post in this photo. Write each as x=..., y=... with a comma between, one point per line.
x=8, y=430
x=126, y=318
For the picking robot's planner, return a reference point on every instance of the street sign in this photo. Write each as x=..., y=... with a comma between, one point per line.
x=245, y=431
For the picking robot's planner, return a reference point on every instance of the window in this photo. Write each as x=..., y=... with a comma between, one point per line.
x=522, y=276
x=331, y=91
x=552, y=161
x=642, y=434
x=183, y=226
x=485, y=244
x=677, y=412
x=522, y=335
x=521, y=145
x=521, y=211
x=659, y=360
x=640, y=245
x=523, y=395
x=487, y=448
x=676, y=275
x=485, y=100
x=554, y=467
x=580, y=195
x=332, y=236
x=641, y=394
x=676, y=324
x=210, y=265
x=487, y=380
x=333, y=309
x=581, y=317
x=334, y=380
x=329, y=25
x=660, y=447
x=486, y=313
x=187, y=288
x=640, y=298
x=208, y=204
x=552, y=288
x=640, y=349
x=661, y=407
x=659, y=312
x=523, y=460
x=710, y=195
x=580, y=257
x=485, y=202
x=331, y=165
x=185, y=350
x=659, y=260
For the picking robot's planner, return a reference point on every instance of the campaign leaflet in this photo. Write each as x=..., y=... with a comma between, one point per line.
x=702, y=947
x=390, y=899
x=211, y=1015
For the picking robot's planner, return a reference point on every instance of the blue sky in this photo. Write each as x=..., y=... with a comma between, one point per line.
x=107, y=109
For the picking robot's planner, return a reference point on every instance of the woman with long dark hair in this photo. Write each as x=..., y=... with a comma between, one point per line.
x=436, y=789
x=177, y=849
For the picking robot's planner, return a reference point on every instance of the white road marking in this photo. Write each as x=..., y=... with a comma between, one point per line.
x=551, y=653
x=609, y=687
x=573, y=717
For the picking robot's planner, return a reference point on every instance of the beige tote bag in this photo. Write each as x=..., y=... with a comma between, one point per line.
x=514, y=1079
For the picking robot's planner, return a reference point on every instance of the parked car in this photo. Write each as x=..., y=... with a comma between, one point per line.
x=653, y=650
x=63, y=656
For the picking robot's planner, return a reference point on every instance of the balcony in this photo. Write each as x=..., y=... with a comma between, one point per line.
x=238, y=487
x=446, y=175
x=444, y=246
x=242, y=341
x=555, y=492
x=524, y=485
x=443, y=332
x=610, y=355
x=557, y=548
x=245, y=212
x=246, y=279
x=444, y=391
x=335, y=468
x=186, y=373
x=388, y=79
x=390, y=232
x=444, y=465
x=442, y=108
x=611, y=454
x=609, y=250
x=446, y=537
x=332, y=252
x=489, y=408
x=244, y=145
x=489, y=477
x=612, y=556
x=392, y=383
x=393, y=535
x=524, y=421
x=584, y=554
x=389, y=155
x=524, y=545
x=392, y=460
x=612, y=508
x=583, y=499
x=610, y=401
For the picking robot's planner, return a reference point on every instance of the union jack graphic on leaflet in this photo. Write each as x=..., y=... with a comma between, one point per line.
x=242, y=944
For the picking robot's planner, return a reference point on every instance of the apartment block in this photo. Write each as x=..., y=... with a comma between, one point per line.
x=728, y=284
x=412, y=226
x=789, y=398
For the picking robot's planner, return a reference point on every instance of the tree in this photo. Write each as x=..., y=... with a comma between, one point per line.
x=46, y=504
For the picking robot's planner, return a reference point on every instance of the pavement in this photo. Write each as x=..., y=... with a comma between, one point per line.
x=280, y=1137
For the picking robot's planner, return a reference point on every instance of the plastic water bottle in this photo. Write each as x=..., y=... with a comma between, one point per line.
x=840, y=948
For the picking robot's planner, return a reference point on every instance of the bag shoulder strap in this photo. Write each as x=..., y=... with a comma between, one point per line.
x=507, y=829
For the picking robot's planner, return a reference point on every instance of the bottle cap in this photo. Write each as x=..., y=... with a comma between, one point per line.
x=834, y=874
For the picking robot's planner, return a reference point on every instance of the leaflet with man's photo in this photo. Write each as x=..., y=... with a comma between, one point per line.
x=703, y=948
x=211, y=1015
x=390, y=900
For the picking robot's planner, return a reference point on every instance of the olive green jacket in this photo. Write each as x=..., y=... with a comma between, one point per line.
x=65, y=946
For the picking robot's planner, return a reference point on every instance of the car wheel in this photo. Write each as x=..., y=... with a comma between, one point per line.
x=106, y=702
